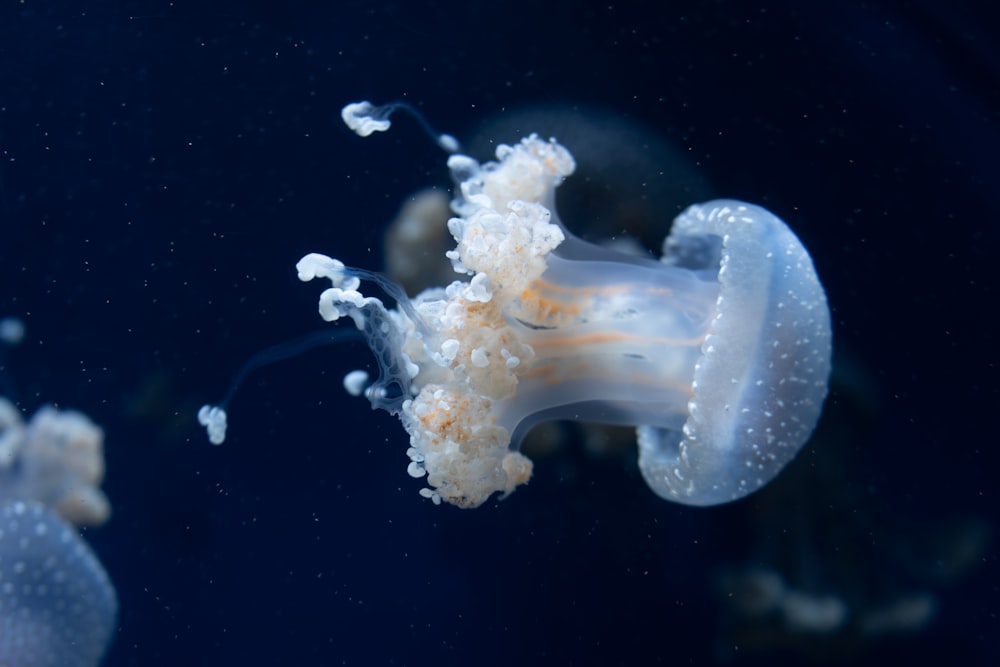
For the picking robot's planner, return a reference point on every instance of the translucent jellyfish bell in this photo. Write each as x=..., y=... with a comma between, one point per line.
x=719, y=353
x=57, y=605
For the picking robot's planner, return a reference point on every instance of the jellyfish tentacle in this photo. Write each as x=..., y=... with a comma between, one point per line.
x=364, y=118
x=215, y=419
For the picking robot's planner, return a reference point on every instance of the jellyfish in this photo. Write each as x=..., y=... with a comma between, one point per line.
x=57, y=606
x=718, y=352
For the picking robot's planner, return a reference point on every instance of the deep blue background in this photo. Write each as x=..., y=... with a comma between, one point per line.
x=164, y=164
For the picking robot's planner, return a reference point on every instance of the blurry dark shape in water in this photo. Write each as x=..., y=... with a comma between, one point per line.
x=416, y=241
x=11, y=333
x=630, y=180
x=158, y=404
x=828, y=574
x=629, y=184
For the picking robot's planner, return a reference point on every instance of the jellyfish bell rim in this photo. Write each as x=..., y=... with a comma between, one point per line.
x=758, y=390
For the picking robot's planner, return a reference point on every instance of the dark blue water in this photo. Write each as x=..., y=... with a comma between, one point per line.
x=164, y=164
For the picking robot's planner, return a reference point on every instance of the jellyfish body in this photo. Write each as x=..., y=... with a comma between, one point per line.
x=719, y=352
x=57, y=605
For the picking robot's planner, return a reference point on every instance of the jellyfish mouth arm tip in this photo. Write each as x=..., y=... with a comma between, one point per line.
x=315, y=265
x=364, y=119
x=214, y=419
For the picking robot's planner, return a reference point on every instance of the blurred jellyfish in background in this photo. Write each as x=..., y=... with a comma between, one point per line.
x=630, y=182
x=826, y=572
x=628, y=185
x=57, y=606
x=719, y=352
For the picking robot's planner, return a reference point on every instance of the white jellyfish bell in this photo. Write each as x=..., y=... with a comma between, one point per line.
x=719, y=352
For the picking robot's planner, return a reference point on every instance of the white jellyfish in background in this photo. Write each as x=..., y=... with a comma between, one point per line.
x=719, y=352
x=57, y=605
